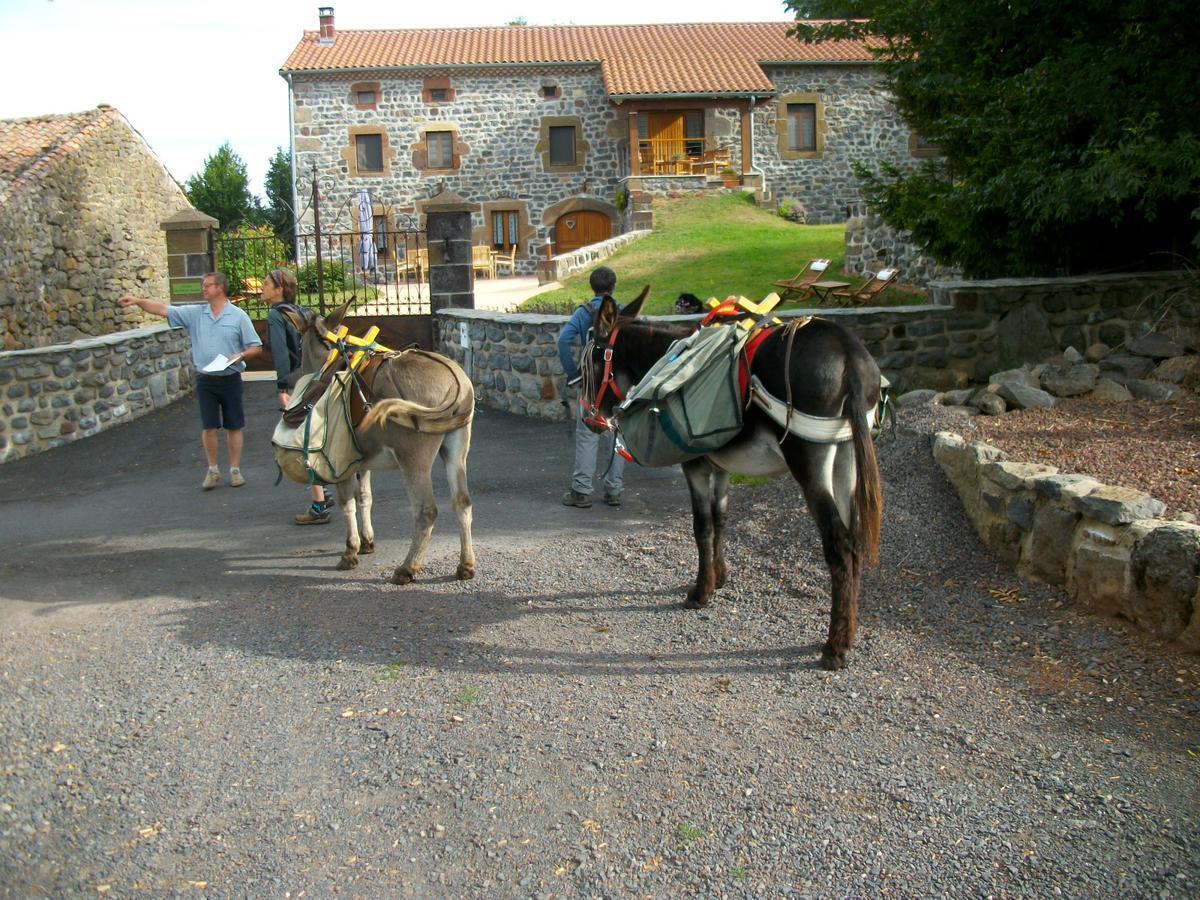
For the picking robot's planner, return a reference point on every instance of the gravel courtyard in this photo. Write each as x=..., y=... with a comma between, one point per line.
x=192, y=700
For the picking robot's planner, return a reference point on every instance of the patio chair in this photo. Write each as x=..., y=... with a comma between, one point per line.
x=502, y=260
x=481, y=261
x=804, y=278
x=414, y=265
x=870, y=290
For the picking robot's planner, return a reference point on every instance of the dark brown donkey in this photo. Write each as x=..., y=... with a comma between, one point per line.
x=422, y=406
x=826, y=372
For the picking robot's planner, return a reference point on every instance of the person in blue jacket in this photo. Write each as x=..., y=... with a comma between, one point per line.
x=570, y=342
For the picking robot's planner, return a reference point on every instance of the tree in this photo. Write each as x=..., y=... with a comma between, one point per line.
x=222, y=189
x=1068, y=131
x=278, y=187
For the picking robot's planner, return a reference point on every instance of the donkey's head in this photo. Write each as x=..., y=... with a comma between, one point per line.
x=606, y=376
x=316, y=332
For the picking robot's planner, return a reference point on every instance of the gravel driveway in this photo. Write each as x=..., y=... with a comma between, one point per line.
x=193, y=701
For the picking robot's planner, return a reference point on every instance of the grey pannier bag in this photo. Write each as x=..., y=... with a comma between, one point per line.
x=689, y=403
x=323, y=448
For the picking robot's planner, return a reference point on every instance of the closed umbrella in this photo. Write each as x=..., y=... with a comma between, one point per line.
x=366, y=250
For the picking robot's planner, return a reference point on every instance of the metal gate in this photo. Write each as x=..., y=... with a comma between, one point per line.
x=362, y=250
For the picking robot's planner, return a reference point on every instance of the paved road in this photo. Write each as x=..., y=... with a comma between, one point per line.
x=121, y=515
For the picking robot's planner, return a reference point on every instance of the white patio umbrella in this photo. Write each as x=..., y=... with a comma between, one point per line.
x=366, y=250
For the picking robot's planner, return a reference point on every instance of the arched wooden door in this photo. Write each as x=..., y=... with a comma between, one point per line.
x=578, y=229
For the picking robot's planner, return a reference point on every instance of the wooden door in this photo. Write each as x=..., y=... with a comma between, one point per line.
x=666, y=137
x=578, y=229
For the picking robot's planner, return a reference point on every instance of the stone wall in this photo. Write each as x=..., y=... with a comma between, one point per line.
x=497, y=120
x=559, y=267
x=872, y=245
x=1104, y=545
x=53, y=395
x=82, y=234
x=978, y=329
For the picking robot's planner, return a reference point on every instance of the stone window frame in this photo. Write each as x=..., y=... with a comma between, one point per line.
x=525, y=230
x=440, y=83
x=349, y=152
x=420, y=153
x=781, y=125
x=543, y=145
x=550, y=91
x=360, y=87
x=921, y=150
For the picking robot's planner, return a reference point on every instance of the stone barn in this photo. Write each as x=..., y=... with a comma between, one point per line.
x=81, y=198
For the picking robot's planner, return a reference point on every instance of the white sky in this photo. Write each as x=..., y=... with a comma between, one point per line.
x=191, y=74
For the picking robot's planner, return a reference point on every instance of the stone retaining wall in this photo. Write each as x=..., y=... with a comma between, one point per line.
x=559, y=267
x=871, y=245
x=1104, y=545
x=58, y=394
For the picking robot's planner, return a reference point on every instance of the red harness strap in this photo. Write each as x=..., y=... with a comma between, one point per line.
x=747, y=359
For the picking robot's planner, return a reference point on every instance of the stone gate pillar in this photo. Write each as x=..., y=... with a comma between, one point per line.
x=448, y=232
x=190, y=256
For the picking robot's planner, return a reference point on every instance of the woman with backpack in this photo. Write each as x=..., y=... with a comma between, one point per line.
x=278, y=292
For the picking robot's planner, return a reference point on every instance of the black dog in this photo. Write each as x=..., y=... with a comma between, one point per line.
x=688, y=304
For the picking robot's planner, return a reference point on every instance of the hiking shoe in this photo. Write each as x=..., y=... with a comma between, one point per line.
x=235, y=478
x=211, y=479
x=574, y=498
x=612, y=499
x=314, y=515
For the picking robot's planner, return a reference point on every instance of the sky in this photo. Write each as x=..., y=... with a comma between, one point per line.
x=190, y=74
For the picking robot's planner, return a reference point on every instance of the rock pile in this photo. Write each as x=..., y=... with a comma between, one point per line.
x=1153, y=367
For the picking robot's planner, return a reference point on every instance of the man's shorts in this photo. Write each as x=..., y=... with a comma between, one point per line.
x=220, y=399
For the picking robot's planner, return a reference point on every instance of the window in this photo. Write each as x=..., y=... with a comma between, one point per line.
x=802, y=126
x=550, y=92
x=439, y=149
x=368, y=150
x=380, y=227
x=437, y=90
x=438, y=95
x=365, y=94
x=562, y=145
x=919, y=146
x=504, y=229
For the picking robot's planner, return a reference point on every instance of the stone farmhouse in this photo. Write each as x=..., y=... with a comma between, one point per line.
x=81, y=199
x=550, y=130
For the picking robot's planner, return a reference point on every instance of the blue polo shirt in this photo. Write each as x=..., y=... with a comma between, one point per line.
x=229, y=333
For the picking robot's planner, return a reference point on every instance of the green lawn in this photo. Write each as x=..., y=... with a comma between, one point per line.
x=711, y=247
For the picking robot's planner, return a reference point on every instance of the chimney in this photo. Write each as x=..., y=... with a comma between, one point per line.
x=326, y=34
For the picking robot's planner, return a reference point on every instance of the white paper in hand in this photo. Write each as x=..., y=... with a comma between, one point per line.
x=220, y=364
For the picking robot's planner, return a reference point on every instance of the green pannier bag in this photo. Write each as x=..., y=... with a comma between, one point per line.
x=323, y=448
x=689, y=403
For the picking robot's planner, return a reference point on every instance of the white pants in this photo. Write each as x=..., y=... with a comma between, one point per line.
x=589, y=445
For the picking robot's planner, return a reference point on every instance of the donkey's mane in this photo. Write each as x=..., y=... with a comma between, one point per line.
x=641, y=343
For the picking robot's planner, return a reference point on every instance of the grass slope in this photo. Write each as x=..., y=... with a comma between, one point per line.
x=711, y=247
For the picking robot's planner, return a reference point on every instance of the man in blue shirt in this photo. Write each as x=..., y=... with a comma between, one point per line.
x=570, y=342
x=216, y=329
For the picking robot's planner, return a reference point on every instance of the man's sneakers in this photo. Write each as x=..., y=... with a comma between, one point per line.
x=235, y=478
x=574, y=498
x=211, y=478
x=317, y=514
x=613, y=499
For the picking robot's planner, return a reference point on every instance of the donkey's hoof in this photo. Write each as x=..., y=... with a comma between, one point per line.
x=367, y=547
x=403, y=576
x=831, y=659
x=720, y=573
x=696, y=600
x=347, y=562
x=465, y=573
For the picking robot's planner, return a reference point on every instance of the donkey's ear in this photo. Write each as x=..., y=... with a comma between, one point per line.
x=606, y=318
x=296, y=318
x=334, y=319
x=632, y=309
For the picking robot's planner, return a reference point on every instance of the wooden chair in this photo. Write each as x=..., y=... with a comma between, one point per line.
x=509, y=260
x=870, y=290
x=482, y=262
x=803, y=280
x=712, y=162
x=415, y=264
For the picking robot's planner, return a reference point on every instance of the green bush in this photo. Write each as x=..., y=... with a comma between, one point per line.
x=334, y=271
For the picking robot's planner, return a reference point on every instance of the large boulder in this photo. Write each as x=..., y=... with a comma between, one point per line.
x=1109, y=391
x=1021, y=396
x=1157, y=391
x=1166, y=575
x=1156, y=346
x=1070, y=380
x=1181, y=370
x=1120, y=366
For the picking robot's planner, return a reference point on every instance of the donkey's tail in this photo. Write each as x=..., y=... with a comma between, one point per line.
x=868, y=498
x=455, y=411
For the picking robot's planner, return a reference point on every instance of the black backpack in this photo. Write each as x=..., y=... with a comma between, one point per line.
x=291, y=335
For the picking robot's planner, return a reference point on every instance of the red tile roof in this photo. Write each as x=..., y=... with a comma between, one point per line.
x=29, y=146
x=704, y=58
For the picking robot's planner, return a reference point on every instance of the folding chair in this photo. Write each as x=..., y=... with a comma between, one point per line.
x=805, y=277
x=868, y=291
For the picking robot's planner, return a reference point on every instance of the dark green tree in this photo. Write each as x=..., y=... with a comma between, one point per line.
x=1068, y=130
x=222, y=189
x=278, y=188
